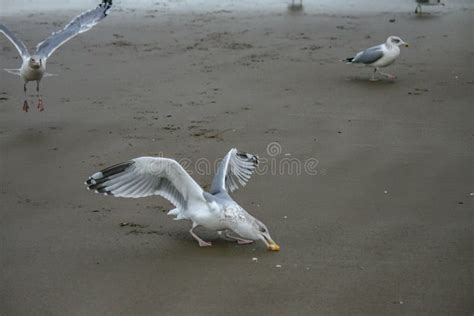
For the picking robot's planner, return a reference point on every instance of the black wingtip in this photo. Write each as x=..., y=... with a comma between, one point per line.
x=349, y=60
x=247, y=156
x=106, y=4
x=98, y=186
x=118, y=168
x=97, y=182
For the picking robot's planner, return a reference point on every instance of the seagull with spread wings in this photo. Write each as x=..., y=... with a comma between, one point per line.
x=214, y=210
x=378, y=56
x=33, y=67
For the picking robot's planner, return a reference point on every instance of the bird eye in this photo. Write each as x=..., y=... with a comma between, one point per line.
x=262, y=229
x=396, y=40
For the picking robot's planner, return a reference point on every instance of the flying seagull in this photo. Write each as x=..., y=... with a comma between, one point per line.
x=379, y=56
x=33, y=67
x=214, y=210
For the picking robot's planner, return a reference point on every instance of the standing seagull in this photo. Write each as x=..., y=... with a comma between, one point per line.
x=215, y=210
x=33, y=67
x=420, y=3
x=379, y=56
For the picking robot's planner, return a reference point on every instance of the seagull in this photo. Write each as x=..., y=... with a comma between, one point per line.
x=379, y=56
x=295, y=7
x=214, y=210
x=420, y=3
x=33, y=67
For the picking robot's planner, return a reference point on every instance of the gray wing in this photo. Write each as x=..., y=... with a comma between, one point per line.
x=20, y=46
x=79, y=24
x=146, y=176
x=236, y=168
x=369, y=56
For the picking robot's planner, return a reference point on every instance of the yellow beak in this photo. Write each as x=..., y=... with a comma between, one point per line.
x=273, y=246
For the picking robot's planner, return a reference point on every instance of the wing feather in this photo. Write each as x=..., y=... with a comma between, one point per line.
x=19, y=45
x=79, y=24
x=145, y=176
x=234, y=170
x=369, y=56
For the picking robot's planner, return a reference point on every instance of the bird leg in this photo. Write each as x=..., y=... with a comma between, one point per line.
x=25, y=104
x=373, y=75
x=40, y=101
x=389, y=76
x=240, y=241
x=418, y=9
x=201, y=242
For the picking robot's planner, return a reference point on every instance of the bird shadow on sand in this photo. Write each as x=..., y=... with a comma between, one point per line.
x=365, y=81
x=220, y=249
x=295, y=9
x=182, y=244
x=28, y=136
x=425, y=16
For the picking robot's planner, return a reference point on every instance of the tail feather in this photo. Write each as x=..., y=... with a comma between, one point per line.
x=178, y=213
x=174, y=211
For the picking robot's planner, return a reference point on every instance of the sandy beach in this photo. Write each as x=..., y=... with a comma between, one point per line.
x=382, y=224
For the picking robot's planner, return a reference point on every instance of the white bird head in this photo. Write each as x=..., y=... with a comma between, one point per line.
x=35, y=62
x=396, y=41
x=252, y=228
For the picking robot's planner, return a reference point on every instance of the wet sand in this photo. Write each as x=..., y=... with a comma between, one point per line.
x=385, y=227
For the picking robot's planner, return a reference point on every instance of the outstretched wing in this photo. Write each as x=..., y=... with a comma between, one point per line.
x=369, y=56
x=79, y=24
x=236, y=168
x=20, y=46
x=147, y=176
